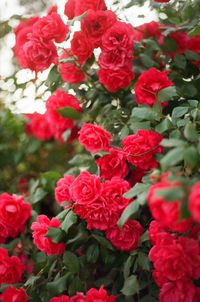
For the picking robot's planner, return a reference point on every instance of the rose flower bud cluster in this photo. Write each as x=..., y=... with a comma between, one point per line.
x=40, y=229
x=92, y=295
x=52, y=123
x=35, y=37
x=14, y=213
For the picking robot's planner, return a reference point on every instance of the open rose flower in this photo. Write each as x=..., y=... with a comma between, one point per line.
x=81, y=47
x=127, y=237
x=12, y=294
x=99, y=295
x=40, y=229
x=94, y=138
x=62, y=193
x=194, y=202
x=61, y=298
x=38, y=126
x=75, y=8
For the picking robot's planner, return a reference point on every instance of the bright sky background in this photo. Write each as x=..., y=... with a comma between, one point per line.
x=26, y=103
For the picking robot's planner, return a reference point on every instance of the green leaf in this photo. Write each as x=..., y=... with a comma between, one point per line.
x=190, y=132
x=92, y=253
x=191, y=157
x=124, y=132
x=180, y=61
x=165, y=125
x=31, y=281
x=190, y=55
x=103, y=241
x=172, y=142
x=143, y=261
x=166, y=93
x=136, y=190
x=127, y=266
x=71, y=261
x=172, y=158
x=69, y=112
x=66, y=135
x=53, y=78
x=179, y=111
x=146, y=61
x=131, y=209
x=69, y=220
x=171, y=194
x=58, y=286
x=131, y=286
x=56, y=234
x=146, y=113
x=80, y=159
x=38, y=195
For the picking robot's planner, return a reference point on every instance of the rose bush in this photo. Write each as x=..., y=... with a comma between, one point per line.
x=100, y=194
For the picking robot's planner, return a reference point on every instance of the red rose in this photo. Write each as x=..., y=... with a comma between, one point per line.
x=94, y=138
x=181, y=39
x=100, y=295
x=45, y=244
x=60, y=99
x=166, y=212
x=119, y=36
x=80, y=297
x=148, y=85
x=38, y=53
x=113, y=164
x=157, y=232
x=38, y=126
x=116, y=60
x=151, y=29
x=96, y=23
x=75, y=8
x=180, y=291
x=12, y=294
x=22, y=32
x=103, y=213
x=125, y=238
x=162, y=1
x=193, y=45
x=69, y=71
x=62, y=193
x=114, y=80
x=11, y=268
x=14, y=213
x=142, y=147
x=81, y=47
x=51, y=27
x=86, y=188
x=175, y=259
x=136, y=176
x=194, y=202
x=61, y=298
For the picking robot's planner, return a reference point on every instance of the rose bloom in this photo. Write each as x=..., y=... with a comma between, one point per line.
x=194, y=202
x=157, y=232
x=113, y=164
x=80, y=297
x=22, y=32
x=164, y=211
x=12, y=294
x=38, y=126
x=39, y=53
x=142, y=148
x=94, y=294
x=136, y=176
x=11, y=268
x=179, y=291
x=96, y=23
x=81, y=47
x=119, y=36
x=94, y=138
x=14, y=213
x=61, y=298
x=162, y=1
x=69, y=71
x=86, y=188
x=181, y=39
x=75, y=8
x=151, y=29
x=116, y=60
x=60, y=99
x=114, y=80
x=51, y=27
x=127, y=237
x=148, y=85
x=175, y=259
x=104, y=212
x=62, y=193
x=45, y=244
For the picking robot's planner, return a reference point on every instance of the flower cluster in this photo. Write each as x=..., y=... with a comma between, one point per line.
x=92, y=295
x=52, y=123
x=12, y=294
